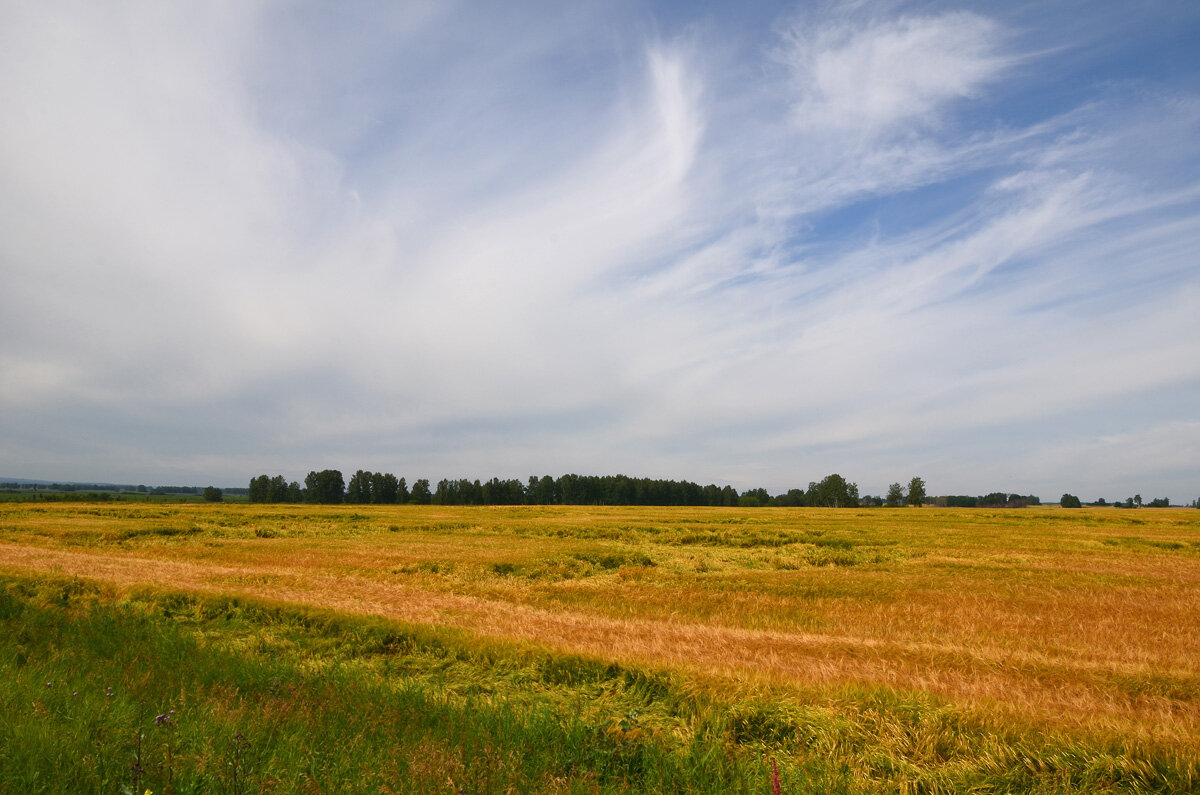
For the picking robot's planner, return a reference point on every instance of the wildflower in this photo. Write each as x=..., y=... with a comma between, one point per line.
x=47, y=684
x=776, y=785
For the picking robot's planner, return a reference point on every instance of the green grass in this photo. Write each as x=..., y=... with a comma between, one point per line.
x=264, y=697
x=272, y=697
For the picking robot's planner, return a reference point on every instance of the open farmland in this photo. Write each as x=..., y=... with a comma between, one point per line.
x=601, y=648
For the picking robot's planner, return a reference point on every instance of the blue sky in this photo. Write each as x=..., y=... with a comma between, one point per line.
x=749, y=246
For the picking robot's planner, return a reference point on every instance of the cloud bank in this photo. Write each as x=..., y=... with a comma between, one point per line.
x=878, y=239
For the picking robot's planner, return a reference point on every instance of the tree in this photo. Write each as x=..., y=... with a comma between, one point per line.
x=385, y=489
x=895, y=495
x=272, y=489
x=1137, y=499
x=325, y=487
x=916, y=492
x=260, y=489
x=277, y=489
x=213, y=494
x=1070, y=501
x=447, y=493
x=755, y=498
x=547, y=491
x=833, y=492
x=502, y=492
x=793, y=499
x=358, y=490
x=420, y=492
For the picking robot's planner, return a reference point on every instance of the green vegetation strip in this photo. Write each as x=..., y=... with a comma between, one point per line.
x=172, y=692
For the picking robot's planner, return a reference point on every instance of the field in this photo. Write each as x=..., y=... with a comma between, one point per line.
x=406, y=648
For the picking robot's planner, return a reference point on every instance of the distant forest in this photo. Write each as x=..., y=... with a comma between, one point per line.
x=834, y=491
x=330, y=487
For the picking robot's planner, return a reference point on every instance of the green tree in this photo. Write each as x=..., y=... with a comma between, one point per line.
x=420, y=492
x=213, y=494
x=326, y=487
x=916, y=492
x=277, y=489
x=833, y=492
x=546, y=492
x=272, y=489
x=385, y=489
x=260, y=489
x=1070, y=501
x=358, y=490
x=895, y=495
x=755, y=498
x=794, y=498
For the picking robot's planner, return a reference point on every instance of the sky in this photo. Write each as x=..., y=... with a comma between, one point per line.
x=749, y=244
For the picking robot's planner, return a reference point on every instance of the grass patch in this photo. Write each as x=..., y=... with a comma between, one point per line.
x=628, y=649
x=175, y=692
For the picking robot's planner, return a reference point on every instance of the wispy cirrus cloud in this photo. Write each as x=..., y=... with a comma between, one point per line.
x=865, y=78
x=441, y=241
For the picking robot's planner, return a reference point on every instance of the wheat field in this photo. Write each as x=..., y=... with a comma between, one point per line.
x=1043, y=622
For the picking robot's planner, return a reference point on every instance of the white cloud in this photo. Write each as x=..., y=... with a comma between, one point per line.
x=870, y=78
x=494, y=242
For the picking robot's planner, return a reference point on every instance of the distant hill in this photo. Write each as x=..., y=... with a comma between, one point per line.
x=77, y=484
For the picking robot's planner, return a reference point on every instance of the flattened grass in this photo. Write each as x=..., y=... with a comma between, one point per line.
x=176, y=693
x=1041, y=650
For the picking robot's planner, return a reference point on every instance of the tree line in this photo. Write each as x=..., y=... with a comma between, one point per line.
x=997, y=499
x=330, y=487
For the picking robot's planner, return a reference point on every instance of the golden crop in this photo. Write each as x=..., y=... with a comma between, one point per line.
x=1080, y=620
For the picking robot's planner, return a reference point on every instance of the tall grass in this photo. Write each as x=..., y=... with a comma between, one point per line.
x=111, y=691
x=172, y=693
x=573, y=649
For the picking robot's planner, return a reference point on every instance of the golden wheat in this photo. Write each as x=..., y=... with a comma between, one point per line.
x=1080, y=619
